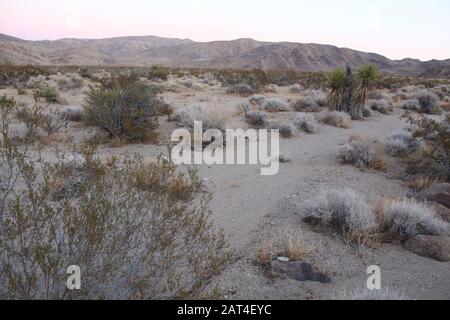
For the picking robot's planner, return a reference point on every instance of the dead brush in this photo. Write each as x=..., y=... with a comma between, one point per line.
x=422, y=182
x=292, y=244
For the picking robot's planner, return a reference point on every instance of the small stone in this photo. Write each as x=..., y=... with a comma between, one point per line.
x=283, y=259
x=442, y=211
x=299, y=271
x=284, y=159
x=439, y=193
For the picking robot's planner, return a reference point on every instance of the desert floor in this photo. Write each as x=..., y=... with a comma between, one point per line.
x=251, y=208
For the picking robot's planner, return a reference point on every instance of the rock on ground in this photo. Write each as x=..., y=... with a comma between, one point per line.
x=439, y=193
x=300, y=271
x=435, y=247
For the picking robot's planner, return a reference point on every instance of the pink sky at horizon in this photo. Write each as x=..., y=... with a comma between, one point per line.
x=396, y=29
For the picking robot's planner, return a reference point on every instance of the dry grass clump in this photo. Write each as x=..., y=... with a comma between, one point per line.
x=335, y=119
x=406, y=218
x=210, y=116
x=423, y=182
x=289, y=243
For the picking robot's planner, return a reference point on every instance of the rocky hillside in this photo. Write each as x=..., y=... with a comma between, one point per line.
x=241, y=53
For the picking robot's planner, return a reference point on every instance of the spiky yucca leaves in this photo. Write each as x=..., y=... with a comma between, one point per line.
x=336, y=81
x=366, y=75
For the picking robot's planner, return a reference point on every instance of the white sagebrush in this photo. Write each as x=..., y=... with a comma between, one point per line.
x=358, y=153
x=274, y=105
x=344, y=210
x=408, y=218
x=307, y=123
x=400, y=143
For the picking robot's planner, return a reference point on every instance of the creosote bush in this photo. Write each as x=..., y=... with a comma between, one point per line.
x=125, y=109
x=132, y=238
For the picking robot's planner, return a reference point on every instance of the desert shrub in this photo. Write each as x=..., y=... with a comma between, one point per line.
x=257, y=118
x=129, y=242
x=184, y=116
x=306, y=104
x=358, y=153
x=411, y=105
x=419, y=183
x=381, y=105
x=74, y=114
x=384, y=294
x=296, y=88
x=257, y=99
x=306, y=122
x=433, y=158
x=287, y=130
x=158, y=73
x=124, y=108
x=53, y=121
x=406, y=218
x=166, y=109
x=427, y=102
x=71, y=83
x=21, y=91
x=318, y=96
x=343, y=211
x=335, y=118
x=36, y=82
x=49, y=93
x=401, y=143
x=274, y=105
x=241, y=89
x=243, y=108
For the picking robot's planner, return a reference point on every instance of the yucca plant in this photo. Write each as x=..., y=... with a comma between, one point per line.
x=336, y=81
x=366, y=75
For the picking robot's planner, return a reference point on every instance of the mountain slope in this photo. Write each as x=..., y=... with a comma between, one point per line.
x=240, y=53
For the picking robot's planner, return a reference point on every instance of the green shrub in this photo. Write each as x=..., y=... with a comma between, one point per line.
x=49, y=93
x=124, y=108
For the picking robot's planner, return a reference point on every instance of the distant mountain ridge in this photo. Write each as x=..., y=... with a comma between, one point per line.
x=239, y=54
